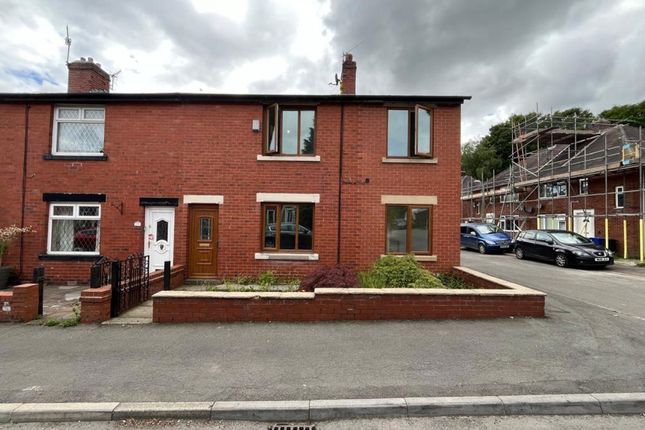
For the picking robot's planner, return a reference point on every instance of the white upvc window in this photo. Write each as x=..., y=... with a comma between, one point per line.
x=74, y=229
x=620, y=197
x=78, y=130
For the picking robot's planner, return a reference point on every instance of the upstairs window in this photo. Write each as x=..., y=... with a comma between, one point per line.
x=553, y=190
x=288, y=226
x=78, y=130
x=509, y=198
x=409, y=132
x=289, y=131
x=74, y=228
x=584, y=186
x=620, y=197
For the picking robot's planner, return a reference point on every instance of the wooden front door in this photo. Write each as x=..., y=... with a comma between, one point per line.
x=202, y=251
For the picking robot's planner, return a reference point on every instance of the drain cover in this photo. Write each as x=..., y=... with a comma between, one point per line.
x=291, y=427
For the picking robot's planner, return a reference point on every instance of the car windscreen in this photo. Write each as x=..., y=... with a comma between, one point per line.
x=486, y=229
x=571, y=238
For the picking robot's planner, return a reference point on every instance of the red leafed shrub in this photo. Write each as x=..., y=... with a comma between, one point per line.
x=330, y=277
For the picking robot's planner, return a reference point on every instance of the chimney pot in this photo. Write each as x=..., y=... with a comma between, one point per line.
x=348, y=75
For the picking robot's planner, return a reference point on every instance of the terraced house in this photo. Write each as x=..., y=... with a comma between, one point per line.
x=228, y=184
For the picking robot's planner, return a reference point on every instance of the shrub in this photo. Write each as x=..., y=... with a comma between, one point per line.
x=399, y=272
x=267, y=278
x=338, y=276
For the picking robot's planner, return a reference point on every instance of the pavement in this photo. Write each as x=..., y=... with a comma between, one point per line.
x=59, y=300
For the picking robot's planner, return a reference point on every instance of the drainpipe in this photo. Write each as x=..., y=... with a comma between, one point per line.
x=340, y=180
x=24, y=188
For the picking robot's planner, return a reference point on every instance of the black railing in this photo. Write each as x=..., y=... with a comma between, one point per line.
x=130, y=283
x=101, y=273
x=129, y=279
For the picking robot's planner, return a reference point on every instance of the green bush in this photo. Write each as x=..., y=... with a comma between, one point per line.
x=427, y=280
x=369, y=280
x=453, y=282
x=397, y=272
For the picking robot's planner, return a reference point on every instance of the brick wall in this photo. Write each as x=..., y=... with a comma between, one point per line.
x=501, y=299
x=173, y=149
x=96, y=302
x=23, y=303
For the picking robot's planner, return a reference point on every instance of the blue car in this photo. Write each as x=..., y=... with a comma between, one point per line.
x=485, y=238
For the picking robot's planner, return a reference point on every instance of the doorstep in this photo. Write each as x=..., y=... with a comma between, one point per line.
x=141, y=314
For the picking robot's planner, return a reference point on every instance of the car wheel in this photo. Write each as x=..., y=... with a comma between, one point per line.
x=482, y=248
x=519, y=253
x=561, y=259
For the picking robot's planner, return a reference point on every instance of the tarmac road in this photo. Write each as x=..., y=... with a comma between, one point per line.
x=593, y=340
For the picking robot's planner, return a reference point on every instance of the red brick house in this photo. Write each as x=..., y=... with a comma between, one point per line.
x=228, y=184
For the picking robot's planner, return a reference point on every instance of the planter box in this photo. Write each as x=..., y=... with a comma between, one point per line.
x=494, y=299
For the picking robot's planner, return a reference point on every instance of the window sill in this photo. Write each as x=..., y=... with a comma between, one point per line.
x=102, y=157
x=309, y=158
x=410, y=160
x=420, y=258
x=62, y=257
x=293, y=256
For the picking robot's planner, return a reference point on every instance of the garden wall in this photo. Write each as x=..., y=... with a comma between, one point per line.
x=495, y=298
x=19, y=304
x=96, y=302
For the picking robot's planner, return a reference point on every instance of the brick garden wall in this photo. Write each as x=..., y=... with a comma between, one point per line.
x=173, y=149
x=501, y=299
x=23, y=301
x=96, y=302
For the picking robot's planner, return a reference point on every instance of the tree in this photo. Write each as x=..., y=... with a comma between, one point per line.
x=633, y=114
x=479, y=161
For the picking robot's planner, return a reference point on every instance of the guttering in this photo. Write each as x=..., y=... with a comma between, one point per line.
x=228, y=98
x=24, y=188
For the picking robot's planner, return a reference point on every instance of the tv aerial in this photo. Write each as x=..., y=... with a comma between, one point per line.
x=68, y=42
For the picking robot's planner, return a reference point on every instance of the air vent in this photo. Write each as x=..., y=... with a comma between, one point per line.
x=291, y=427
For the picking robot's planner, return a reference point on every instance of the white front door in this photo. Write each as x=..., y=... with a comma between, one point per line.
x=583, y=222
x=159, y=236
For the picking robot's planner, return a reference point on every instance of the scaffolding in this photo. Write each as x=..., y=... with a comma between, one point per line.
x=549, y=154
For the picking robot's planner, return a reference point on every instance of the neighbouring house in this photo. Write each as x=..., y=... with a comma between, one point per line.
x=587, y=178
x=228, y=184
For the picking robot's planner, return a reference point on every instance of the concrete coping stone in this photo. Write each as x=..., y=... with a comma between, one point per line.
x=163, y=410
x=60, y=412
x=353, y=408
x=234, y=295
x=502, y=282
x=290, y=410
x=429, y=292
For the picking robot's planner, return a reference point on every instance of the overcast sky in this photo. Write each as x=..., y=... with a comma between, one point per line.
x=508, y=55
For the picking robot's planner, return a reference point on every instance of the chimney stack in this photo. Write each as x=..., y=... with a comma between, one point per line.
x=348, y=75
x=86, y=76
